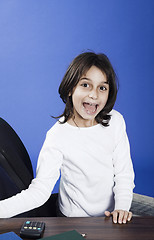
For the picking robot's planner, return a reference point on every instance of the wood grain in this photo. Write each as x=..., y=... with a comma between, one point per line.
x=96, y=228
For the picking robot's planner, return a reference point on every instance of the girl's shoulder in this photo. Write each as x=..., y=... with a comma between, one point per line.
x=115, y=114
x=116, y=118
x=57, y=128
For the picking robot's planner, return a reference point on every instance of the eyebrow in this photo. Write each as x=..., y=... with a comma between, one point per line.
x=85, y=78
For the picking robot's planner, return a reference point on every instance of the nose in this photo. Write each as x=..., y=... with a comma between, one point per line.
x=93, y=94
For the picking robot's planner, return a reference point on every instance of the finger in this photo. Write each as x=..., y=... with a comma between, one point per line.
x=121, y=215
x=129, y=216
x=107, y=213
x=125, y=217
x=115, y=216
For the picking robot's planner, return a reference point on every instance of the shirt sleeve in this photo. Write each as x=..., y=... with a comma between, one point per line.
x=123, y=170
x=38, y=192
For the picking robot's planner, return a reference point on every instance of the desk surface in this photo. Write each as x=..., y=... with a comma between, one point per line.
x=95, y=227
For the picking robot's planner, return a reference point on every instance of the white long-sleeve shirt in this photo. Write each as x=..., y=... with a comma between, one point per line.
x=96, y=171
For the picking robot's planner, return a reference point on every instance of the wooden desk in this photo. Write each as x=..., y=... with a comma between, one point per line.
x=140, y=228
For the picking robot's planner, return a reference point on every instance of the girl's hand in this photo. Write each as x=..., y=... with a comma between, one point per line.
x=119, y=216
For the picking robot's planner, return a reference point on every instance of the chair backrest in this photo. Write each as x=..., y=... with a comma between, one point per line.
x=16, y=172
x=14, y=158
x=142, y=205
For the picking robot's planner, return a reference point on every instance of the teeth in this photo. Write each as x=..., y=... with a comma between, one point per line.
x=91, y=104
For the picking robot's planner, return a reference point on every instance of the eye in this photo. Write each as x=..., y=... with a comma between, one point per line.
x=102, y=88
x=85, y=85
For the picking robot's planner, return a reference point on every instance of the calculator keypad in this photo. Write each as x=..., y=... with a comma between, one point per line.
x=32, y=229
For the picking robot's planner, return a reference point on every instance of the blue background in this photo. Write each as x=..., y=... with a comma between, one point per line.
x=38, y=40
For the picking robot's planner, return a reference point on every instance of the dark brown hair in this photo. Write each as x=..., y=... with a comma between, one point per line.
x=78, y=67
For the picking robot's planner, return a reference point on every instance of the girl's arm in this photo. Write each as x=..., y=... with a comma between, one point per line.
x=123, y=176
x=38, y=192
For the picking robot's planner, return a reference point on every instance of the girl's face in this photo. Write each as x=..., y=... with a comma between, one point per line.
x=89, y=97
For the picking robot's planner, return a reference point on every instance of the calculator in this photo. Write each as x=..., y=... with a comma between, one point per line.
x=32, y=229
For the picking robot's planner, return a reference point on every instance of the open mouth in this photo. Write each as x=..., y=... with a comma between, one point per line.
x=90, y=108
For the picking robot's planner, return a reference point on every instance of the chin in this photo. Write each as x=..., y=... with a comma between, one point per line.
x=89, y=117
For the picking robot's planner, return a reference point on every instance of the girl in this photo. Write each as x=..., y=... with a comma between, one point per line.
x=88, y=145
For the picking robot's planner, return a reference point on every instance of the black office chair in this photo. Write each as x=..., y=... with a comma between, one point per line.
x=16, y=172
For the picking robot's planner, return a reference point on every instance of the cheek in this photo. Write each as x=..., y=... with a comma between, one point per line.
x=77, y=95
x=104, y=98
x=75, y=100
